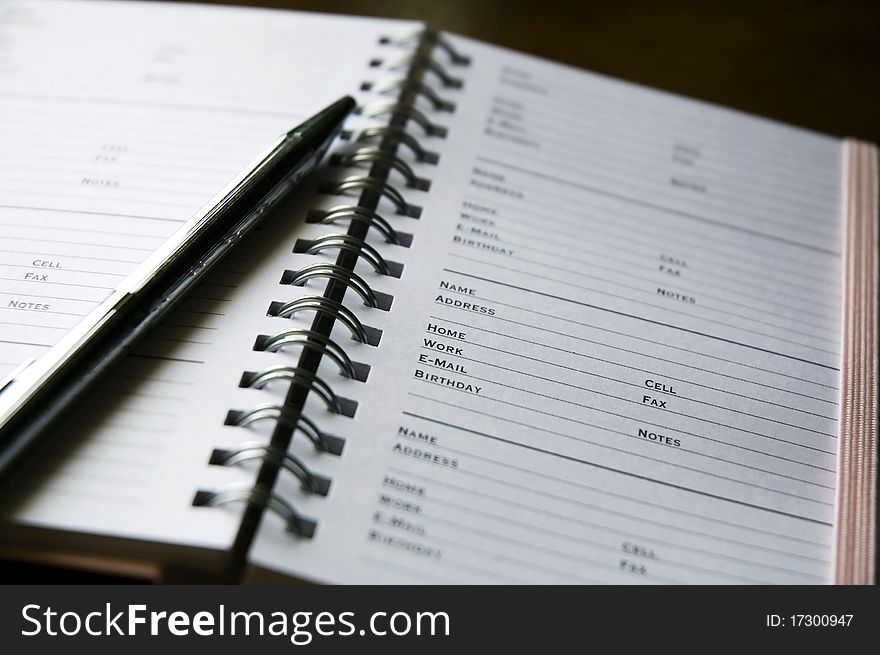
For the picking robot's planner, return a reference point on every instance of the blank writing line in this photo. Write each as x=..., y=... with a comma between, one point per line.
x=629, y=452
x=641, y=370
x=804, y=221
x=45, y=253
x=495, y=556
x=626, y=473
x=699, y=287
x=642, y=354
x=668, y=210
x=626, y=232
x=77, y=243
x=531, y=545
x=34, y=295
x=663, y=308
x=92, y=213
x=42, y=311
x=56, y=228
x=601, y=509
x=631, y=418
x=587, y=236
x=623, y=158
x=25, y=343
x=416, y=573
x=170, y=359
x=642, y=318
x=62, y=284
x=630, y=384
x=607, y=529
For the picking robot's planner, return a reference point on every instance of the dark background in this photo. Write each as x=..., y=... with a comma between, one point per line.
x=812, y=63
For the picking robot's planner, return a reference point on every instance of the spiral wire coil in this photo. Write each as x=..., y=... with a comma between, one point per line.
x=372, y=145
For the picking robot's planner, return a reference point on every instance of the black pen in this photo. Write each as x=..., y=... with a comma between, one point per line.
x=35, y=394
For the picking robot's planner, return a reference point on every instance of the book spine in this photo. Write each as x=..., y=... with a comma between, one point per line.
x=412, y=90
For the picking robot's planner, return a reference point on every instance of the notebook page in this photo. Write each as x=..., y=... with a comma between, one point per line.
x=616, y=351
x=118, y=121
x=151, y=100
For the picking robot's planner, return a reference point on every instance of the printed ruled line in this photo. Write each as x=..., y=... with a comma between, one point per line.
x=413, y=573
x=668, y=210
x=606, y=446
x=188, y=326
x=496, y=317
x=567, y=518
x=806, y=178
x=169, y=359
x=542, y=531
x=75, y=243
x=60, y=284
x=641, y=370
x=41, y=312
x=663, y=308
x=627, y=473
x=62, y=270
x=805, y=221
x=93, y=301
x=631, y=418
x=629, y=384
x=628, y=236
x=586, y=236
x=672, y=282
x=496, y=556
x=545, y=550
x=603, y=508
x=177, y=340
x=781, y=197
x=140, y=103
x=643, y=319
x=59, y=228
x=27, y=343
x=31, y=325
x=92, y=213
x=195, y=311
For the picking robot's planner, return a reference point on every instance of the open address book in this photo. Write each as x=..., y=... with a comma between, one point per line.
x=527, y=324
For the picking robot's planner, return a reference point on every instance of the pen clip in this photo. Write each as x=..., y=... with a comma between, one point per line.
x=18, y=370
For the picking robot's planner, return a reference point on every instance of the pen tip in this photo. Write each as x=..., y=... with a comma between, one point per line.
x=328, y=118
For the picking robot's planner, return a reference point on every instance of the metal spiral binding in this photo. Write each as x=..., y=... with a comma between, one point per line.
x=249, y=451
x=362, y=215
x=358, y=246
x=378, y=151
x=410, y=60
x=455, y=57
x=381, y=187
x=380, y=108
x=323, y=442
x=393, y=134
x=295, y=523
x=327, y=306
x=374, y=299
x=369, y=155
x=389, y=84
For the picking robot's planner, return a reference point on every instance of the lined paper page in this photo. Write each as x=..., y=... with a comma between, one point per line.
x=615, y=358
x=119, y=120
x=106, y=149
